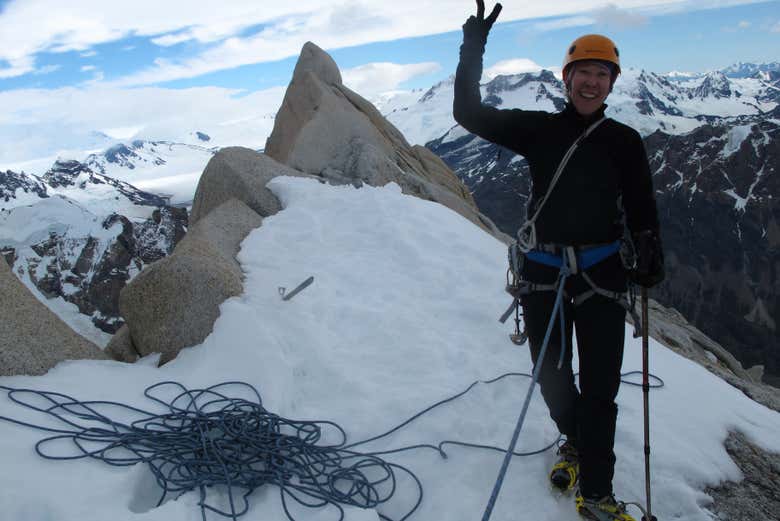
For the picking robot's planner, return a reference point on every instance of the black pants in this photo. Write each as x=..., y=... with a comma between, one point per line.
x=588, y=414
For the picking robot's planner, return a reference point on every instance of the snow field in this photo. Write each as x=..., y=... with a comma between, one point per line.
x=402, y=313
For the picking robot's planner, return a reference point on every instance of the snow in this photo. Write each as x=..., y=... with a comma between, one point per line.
x=421, y=117
x=167, y=169
x=402, y=313
x=734, y=139
x=20, y=198
x=33, y=223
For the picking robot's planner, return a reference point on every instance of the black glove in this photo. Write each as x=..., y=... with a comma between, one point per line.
x=476, y=28
x=649, y=269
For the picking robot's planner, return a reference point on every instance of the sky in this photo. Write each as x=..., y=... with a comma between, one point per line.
x=381, y=334
x=150, y=69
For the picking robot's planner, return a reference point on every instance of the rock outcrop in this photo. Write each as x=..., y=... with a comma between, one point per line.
x=173, y=304
x=325, y=129
x=755, y=497
x=240, y=173
x=32, y=338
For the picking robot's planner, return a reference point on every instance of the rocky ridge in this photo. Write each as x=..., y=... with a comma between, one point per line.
x=323, y=130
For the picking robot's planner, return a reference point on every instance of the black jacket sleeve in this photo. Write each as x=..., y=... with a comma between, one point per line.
x=638, y=192
x=514, y=129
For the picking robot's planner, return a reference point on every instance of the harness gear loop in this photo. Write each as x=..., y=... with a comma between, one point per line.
x=526, y=234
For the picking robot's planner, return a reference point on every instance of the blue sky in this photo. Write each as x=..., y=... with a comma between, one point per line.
x=57, y=58
x=650, y=37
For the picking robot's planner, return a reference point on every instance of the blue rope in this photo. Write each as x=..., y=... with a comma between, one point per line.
x=206, y=438
x=564, y=273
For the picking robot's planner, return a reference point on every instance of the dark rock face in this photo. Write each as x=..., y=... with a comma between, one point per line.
x=715, y=84
x=719, y=215
x=89, y=269
x=81, y=175
x=10, y=182
x=497, y=178
x=717, y=192
x=102, y=270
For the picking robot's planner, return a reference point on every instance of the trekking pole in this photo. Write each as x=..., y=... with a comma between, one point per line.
x=646, y=392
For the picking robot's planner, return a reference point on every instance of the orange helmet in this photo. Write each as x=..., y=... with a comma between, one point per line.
x=592, y=47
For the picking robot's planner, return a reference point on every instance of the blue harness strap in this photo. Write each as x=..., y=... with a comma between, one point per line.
x=585, y=258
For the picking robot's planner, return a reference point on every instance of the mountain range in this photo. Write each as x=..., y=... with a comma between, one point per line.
x=82, y=229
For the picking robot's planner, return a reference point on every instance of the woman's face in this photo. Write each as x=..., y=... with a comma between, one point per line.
x=589, y=86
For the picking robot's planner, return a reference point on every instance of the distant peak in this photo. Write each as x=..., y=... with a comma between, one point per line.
x=315, y=60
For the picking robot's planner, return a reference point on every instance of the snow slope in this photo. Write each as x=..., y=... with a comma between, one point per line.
x=402, y=313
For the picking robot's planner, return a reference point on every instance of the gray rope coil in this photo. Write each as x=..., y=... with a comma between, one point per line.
x=206, y=438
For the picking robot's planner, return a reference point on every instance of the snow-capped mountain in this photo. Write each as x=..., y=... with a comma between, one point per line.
x=20, y=189
x=645, y=100
x=165, y=168
x=75, y=237
x=714, y=143
x=716, y=85
x=750, y=70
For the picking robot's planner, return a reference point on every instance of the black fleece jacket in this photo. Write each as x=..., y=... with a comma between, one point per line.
x=608, y=173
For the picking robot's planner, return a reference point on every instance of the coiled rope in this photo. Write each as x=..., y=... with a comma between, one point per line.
x=206, y=438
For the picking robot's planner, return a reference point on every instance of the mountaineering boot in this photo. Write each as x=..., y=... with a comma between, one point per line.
x=604, y=509
x=565, y=472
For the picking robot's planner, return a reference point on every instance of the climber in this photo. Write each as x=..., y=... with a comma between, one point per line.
x=582, y=200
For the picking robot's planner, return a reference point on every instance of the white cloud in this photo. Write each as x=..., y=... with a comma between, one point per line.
x=35, y=122
x=171, y=39
x=47, y=69
x=122, y=132
x=775, y=28
x=87, y=68
x=281, y=28
x=739, y=26
x=17, y=66
x=374, y=78
x=564, y=23
x=613, y=17
x=513, y=66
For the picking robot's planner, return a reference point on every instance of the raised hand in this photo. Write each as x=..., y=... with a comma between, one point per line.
x=476, y=28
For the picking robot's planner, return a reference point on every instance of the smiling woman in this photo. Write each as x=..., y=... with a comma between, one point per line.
x=590, y=182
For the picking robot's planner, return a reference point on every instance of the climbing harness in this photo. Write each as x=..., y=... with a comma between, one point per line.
x=579, y=259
